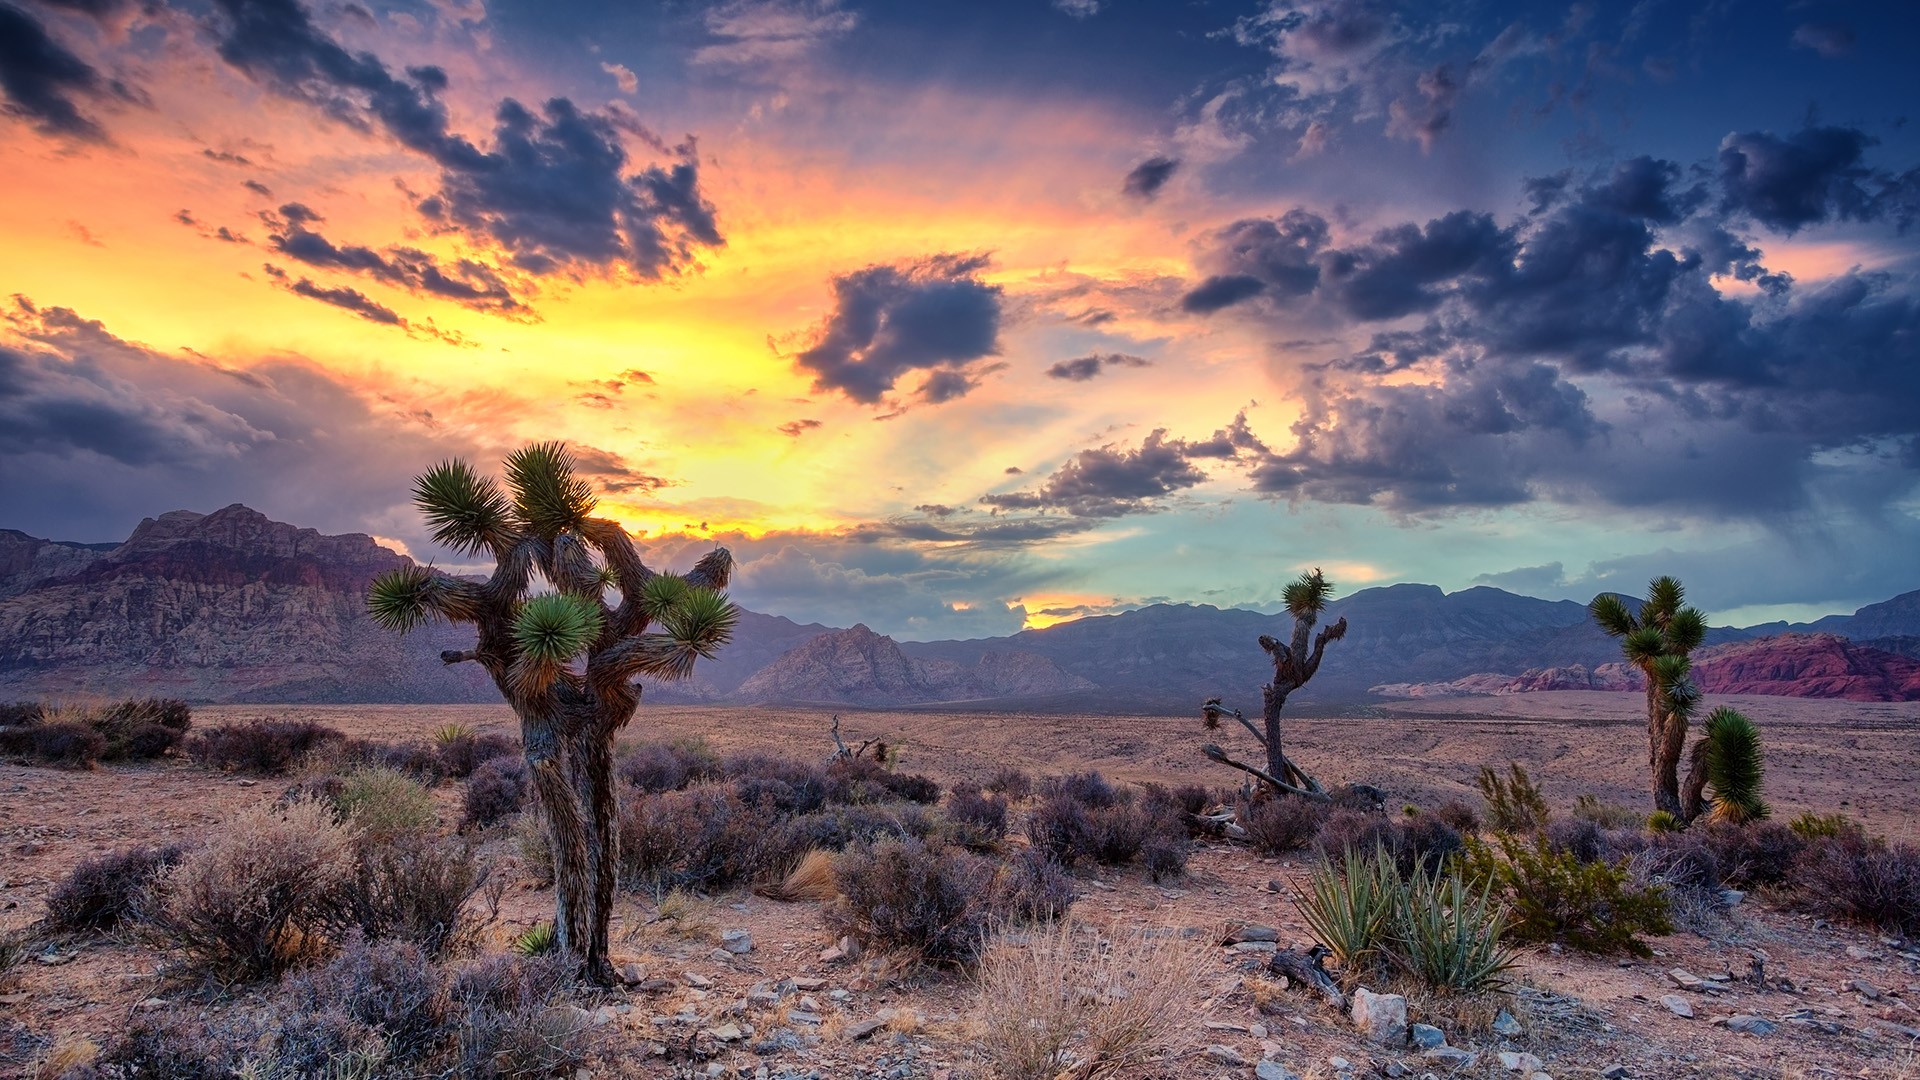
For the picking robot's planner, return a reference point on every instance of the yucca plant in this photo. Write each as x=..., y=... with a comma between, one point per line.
x=565, y=659
x=535, y=940
x=1351, y=906
x=1451, y=936
x=1735, y=767
x=447, y=734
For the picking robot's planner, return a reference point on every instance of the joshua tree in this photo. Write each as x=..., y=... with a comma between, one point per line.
x=565, y=660
x=1657, y=641
x=1728, y=757
x=1293, y=665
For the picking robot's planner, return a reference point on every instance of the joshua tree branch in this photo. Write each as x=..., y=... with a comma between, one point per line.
x=1214, y=753
x=1332, y=633
x=458, y=656
x=1214, y=708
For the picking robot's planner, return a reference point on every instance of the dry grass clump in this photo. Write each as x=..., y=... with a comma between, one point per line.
x=496, y=790
x=262, y=747
x=110, y=891
x=1053, y=1000
x=250, y=902
x=811, y=879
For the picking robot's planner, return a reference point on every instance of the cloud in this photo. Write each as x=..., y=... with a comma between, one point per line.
x=1083, y=368
x=793, y=429
x=1252, y=256
x=762, y=33
x=556, y=190
x=97, y=432
x=1110, y=481
x=465, y=282
x=623, y=77
x=1829, y=39
x=933, y=315
x=1147, y=178
x=1810, y=177
x=349, y=299
x=1078, y=9
x=43, y=80
x=610, y=473
x=1549, y=578
x=257, y=188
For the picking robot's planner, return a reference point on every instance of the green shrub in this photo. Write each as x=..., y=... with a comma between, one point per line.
x=1514, y=805
x=1812, y=826
x=1372, y=915
x=1349, y=906
x=536, y=940
x=1663, y=821
x=1553, y=896
x=1607, y=815
x=382, y=803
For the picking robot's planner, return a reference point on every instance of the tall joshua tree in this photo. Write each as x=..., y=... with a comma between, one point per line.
x=566, y=660
x=1293, y=665
x=1657, y=641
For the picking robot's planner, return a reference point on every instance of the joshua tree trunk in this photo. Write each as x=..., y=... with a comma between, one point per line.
x=1657, y=639
x=565, y=661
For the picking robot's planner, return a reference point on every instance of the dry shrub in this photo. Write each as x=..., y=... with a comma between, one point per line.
x=1060, y=829
x=1165, y=855
x=411, y=887
x=1010, y=783
x=1461, y=816
x=703, y=838
x=498, y=788
x=1754, y=855
x=382, y=803
x=670, y=766
x=1282, y=825
x=142, y=729
x=413, y=759
x=535, y=847
x=178, y=1046
x=109, y=891
x=937, y=902
x=1514, y=803
x=245, y=905
x=64, y=743
x=388, y=994
x=1608, y=815
x=1579, y=837
x=1869, y=882
x=1052, y=999
x=975, y=820
x=462, y=752
x=1032, y=888
x=1089, y=789
x=513, y=1023
x=262, y=747
x=811, y=879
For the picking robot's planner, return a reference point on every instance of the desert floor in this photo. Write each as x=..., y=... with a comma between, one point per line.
x=1581, y=1015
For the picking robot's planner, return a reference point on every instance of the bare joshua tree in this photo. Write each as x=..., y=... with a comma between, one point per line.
x=566, y=660
x=1294, y=663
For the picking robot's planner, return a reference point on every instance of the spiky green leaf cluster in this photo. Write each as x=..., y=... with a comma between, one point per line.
x=554, y=627
x=1736, y=767
x=1306, y=596
x=1347, y=906
x=1371, y=916
x=464, y=510
x=397, y=599
x=660, y=594
x=547, y=495
x=694, y=627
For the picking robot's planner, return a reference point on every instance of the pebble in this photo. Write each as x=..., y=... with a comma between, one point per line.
x=1224, y=1055
x=1515, y=1061
x=1749, y=1024
x=1677, y=1005
x=738, y=942
x=1505, y=1026
x=1273, y=1070
x=1426, y=1036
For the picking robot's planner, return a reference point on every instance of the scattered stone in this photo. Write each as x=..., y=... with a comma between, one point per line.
x=808, y=984
x=1749, y=1024
x=1256, y=947
x=865, y=1029
x=1273, y=1070
x=1395, y=1070
x=1686, y=980
x=1381, y=1017
x=1516, y=1061
x=632, y=974
x=1225, y=1055
x=1616, y=1072
x=1505, y=1026
x=801, y=1016
x=1865, y=989
x=737, y=942
x=727, y=1033
x=697, y=980
x=1731, y=897
x=1860, y=952
x=1426, y=1036
x=1677, y=1005
x=1222, y=1025
x=1251, y=933
x=1451, y=1057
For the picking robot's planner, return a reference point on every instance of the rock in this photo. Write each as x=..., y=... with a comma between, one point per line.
x=1251, y=932
x=1505, y=1026
x=727, y=1033
x=1451, y=1057
x=1616, y=1072
x=697, y=980
x=1426, y=1036
x=865, y=1029
x=632, y=974
x=1381, y=1017
x=808, y=984
x=737, y=942
x=802, y=1016
x=1515, y=1061
x=1677, y=1005
x=1731, y=897
x=1255, y=947
x=1749, y=1024
x=1686, y=980
x=1224, y=1055
x=1273, y=1070
x=1865, y=989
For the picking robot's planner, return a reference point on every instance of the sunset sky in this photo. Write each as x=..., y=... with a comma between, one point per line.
x=957, y=318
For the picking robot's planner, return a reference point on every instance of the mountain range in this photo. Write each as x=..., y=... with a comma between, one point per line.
x=231, y=606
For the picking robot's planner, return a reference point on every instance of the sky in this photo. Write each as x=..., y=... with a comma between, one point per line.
x=954, y=319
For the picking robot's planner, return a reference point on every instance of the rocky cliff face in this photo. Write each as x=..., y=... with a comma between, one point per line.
x=860, y=667
x=1784, y=665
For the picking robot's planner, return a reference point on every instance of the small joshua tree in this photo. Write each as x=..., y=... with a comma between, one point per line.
x=1293, y=665
x=565, y=660
x=1657, y=641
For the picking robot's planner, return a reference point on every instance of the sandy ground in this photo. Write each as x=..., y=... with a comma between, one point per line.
x=1580, y=1014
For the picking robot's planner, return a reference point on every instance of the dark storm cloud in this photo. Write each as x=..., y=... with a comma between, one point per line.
x=43, y=81
x=933, y=315
x=1276, y=256
x=1080, y=369
x=465, y=282
x=1148, y=177
x=556, y=190
x=1221, y=291
x=349, y=299
x=1585, y=352
x=1110, y=481
x=1812, y=176
x=96, y=433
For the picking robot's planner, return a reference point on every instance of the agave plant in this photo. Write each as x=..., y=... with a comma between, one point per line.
x=1350, y=907
x=566, y=658
x=1450, y=936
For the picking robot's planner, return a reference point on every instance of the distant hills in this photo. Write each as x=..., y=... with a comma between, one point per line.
x=231, y=606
